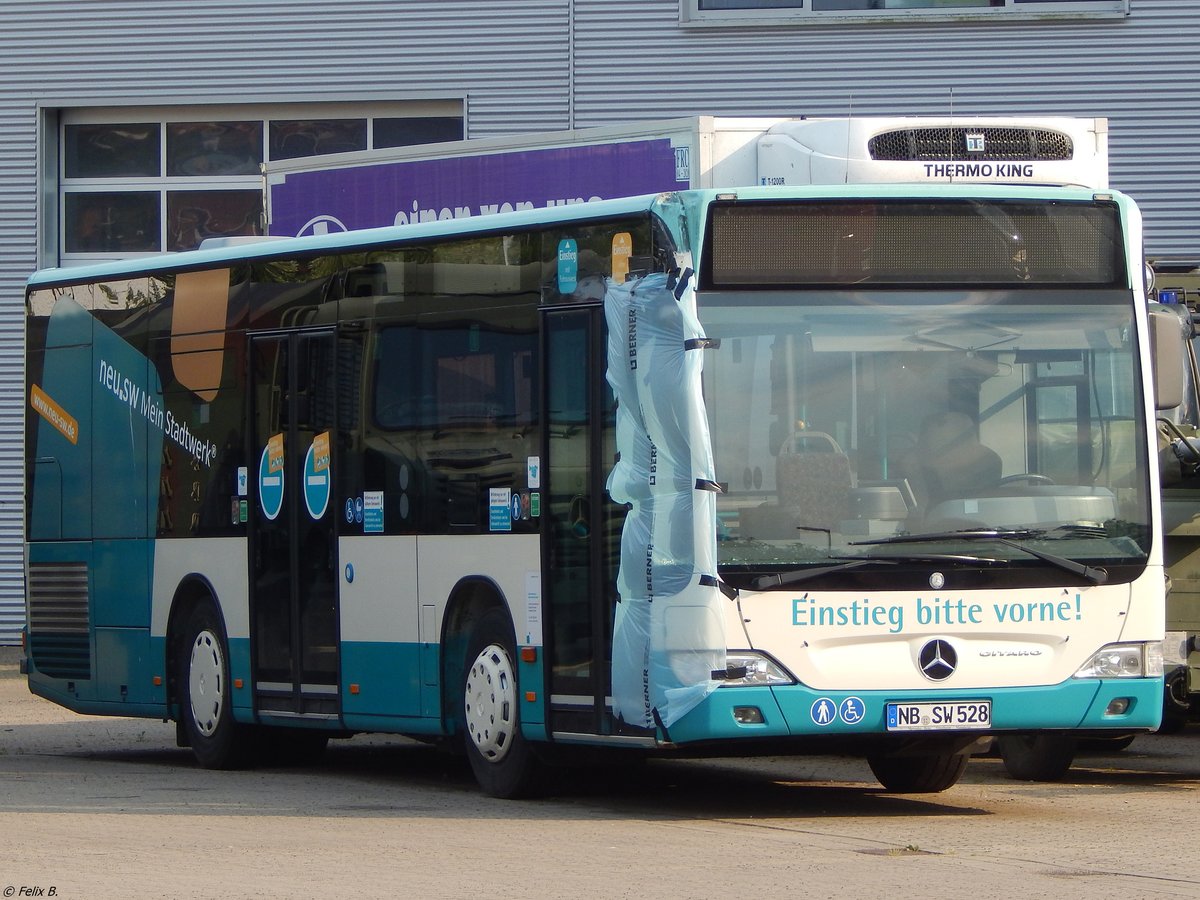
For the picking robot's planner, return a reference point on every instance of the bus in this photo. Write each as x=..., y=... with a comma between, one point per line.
x=1178, y=428
x=854, y=469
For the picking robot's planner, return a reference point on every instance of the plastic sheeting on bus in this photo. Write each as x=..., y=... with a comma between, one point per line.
x=669, y=627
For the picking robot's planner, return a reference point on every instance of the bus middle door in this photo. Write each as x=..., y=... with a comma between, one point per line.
x=293, y=547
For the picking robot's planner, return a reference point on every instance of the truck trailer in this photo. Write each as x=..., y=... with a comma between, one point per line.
x=458, y=179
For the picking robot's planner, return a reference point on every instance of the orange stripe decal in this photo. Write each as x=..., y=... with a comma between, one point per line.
x=54, y=414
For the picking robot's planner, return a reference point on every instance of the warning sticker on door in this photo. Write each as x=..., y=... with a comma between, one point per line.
x=372, y=512
x=500, y=509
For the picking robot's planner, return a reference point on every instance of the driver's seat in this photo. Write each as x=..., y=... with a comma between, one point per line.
x=951, y=461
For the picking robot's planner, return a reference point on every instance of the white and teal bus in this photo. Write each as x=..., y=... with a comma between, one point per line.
x=859, y=469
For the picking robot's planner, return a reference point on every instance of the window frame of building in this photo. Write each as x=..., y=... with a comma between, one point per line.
x=206, y=152
x=724, y=13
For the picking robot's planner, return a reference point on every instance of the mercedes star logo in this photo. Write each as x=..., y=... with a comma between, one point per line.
x=937, y=660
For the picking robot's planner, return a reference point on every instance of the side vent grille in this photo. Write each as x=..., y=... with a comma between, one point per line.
x=59, y=633
x=946, y=144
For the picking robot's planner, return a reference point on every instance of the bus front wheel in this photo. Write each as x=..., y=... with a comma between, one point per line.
x=929, y=773
x=503, y=763
x=205, y=701
x=1037, y=757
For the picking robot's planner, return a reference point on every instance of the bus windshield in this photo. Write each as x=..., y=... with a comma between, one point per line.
x=842, y=420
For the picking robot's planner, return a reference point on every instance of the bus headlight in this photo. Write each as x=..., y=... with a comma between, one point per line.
x=745, y=668
x=1124, y=661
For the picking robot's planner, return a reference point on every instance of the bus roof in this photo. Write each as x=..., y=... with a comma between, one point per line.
x=347, y=241
x=344, y=241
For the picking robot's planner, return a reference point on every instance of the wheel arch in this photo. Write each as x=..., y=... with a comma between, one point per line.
x=193, y=590
x=470, y=598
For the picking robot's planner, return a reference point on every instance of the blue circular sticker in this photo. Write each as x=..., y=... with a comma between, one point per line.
x=316, y=483
x=852, y=710
x=823, y=711
x=270, y=486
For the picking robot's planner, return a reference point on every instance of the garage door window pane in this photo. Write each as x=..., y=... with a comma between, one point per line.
x=112, y=222
x=751, y=4
x=402, y=132
x=193, y=216
x=205, y=149
x=292, y=139
x=111, y=151
x=901, y=4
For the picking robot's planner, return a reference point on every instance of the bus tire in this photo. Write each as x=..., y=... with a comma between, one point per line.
x=1176, y=702
x=205, y=700
x=929, y=773
x=501, y=758
x=1108, y=744
x=1173, y=722
x=1037, y=757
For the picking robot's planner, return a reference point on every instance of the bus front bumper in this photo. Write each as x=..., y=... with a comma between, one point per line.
x=1118, y=706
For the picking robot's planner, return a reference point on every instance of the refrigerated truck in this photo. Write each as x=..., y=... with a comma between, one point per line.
x=460, y=179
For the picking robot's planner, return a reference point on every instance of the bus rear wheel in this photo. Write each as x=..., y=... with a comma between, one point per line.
x=205, y=701
x=503, y=763
x=929, y=773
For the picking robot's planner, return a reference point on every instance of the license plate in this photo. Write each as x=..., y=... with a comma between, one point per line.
x=953, y=715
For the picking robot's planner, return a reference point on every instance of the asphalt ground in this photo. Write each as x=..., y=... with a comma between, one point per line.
x=96, y=807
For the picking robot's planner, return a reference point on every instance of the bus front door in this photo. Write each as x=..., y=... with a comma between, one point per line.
x=293, y=547
x=582, y=528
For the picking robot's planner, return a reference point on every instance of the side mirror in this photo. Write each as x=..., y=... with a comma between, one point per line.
x=1168, y=356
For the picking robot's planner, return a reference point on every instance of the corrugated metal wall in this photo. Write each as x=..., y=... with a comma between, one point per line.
x=18, y=190
x=509, y=60
x=634, y=61
x=538, y=65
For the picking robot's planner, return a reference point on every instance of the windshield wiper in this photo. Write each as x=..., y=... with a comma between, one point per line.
x=965, y=534
x=1008, y=537
x=986, y=534
x=1094, y=574
x=778, y=580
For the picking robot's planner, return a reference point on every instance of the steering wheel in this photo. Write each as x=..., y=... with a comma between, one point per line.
x=1030, y=477
x=579, y=517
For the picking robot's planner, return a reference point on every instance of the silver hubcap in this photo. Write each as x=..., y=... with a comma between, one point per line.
x=491, y=703
x=204, y=682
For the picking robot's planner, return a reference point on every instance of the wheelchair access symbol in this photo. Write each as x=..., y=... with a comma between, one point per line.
x=825, y=712
x=852, y=710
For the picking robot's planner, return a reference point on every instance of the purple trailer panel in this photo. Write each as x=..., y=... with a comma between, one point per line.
x=398, y=193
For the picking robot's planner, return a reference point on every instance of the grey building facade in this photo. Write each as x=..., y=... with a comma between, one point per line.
x=86, y=86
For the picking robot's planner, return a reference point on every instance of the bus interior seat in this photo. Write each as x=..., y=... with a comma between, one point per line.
x=813, y=485
x=813, y=474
